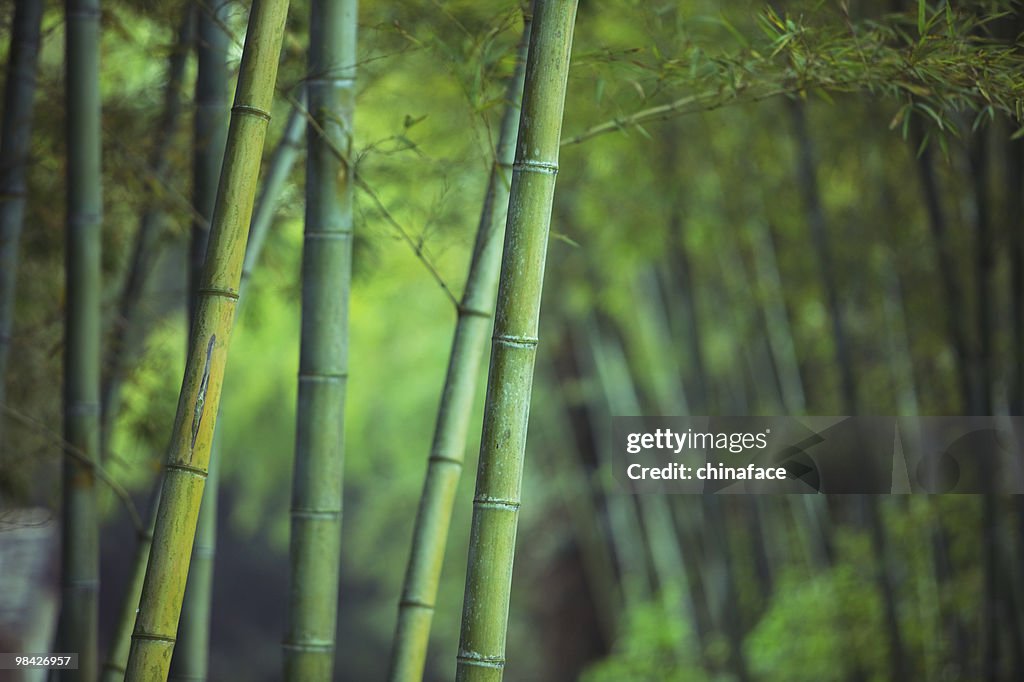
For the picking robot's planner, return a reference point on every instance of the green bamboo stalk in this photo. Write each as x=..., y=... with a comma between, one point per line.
x=513, y=351
x=192, y=436
x=315, y=551
x=77, y=628
x=121, y=349
x=278, y=170
x=15, y=139
x=447, y=451
x=191, y=654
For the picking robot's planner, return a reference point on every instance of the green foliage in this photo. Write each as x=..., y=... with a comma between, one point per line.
x=648, y=649
x=719, y=181
x=953, y=66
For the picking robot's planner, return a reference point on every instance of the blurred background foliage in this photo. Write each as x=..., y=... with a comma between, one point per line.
x=682, y=278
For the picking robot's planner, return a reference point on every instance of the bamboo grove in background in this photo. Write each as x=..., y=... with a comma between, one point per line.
x=698, y=315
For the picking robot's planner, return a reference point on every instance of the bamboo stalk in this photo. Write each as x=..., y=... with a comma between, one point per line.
x=280, y=164
x=15, y=142
x=447, y=451
x=513, y=352
x=278, y=169
x=191, y=438
x=77, y=629
x=191, y=655
x=315, y=551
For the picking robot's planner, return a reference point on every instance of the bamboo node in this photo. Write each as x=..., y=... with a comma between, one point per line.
x=529, y=166
x=445, y=459
x=195, y=471
x=321, y=234
x=322, y=377
x=246, y=110
x=516, y=341
x=327, y=514
x=415, y=604
x=466, y=311
x=214, y=291
x=480, y=660
x=153, y=637
x=314, y=647
x=496, y=503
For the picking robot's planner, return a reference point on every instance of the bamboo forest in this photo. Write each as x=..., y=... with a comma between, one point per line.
x=368, y=340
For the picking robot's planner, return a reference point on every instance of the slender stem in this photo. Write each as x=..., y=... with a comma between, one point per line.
x=514, y=347
x=690, y=104
x=278, y=169
x=191, y=655
x=447, y=451
x=15, y=139
x=279, y=166
x=78, y=626
x=315, y=551
x=192, y=436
